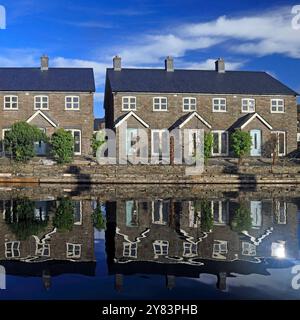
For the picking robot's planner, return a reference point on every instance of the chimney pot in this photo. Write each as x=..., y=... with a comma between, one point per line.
x=117, y=63
x=44, y=63
x=220, y=65
x=169, y=64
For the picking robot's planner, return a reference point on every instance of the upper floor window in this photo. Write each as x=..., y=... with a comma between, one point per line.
x=219, y=105
x=41, y=102
x=160, y=104
x=189, y=104
x=248, y=105
x=128, y=103
x=11, y=102
x=72, y=103
x=277, y=106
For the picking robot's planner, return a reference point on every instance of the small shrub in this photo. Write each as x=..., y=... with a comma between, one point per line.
x=62, y=146
x=241, y=143
x=99, y=220
x=242, y=220
x=208, y=144
x=64, y=216
x=97, y=141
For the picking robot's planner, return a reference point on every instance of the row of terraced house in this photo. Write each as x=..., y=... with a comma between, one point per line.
x=156, y=100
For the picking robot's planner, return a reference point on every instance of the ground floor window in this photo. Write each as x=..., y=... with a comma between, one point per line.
x=281, y=142
x=248, y=249
x=220, y=143
x=43, y=249
x=131, y=208
x=2, y=146
x=77, y=140
x=132, y=142
x=160, y=147
x=220, y=248
x=256, y=214
x=220, y=212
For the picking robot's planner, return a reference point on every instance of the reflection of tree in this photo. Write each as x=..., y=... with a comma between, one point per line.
x=99, y=220
x=242, y=220
x=22, y=221
x=207, y=220
x=64, y=215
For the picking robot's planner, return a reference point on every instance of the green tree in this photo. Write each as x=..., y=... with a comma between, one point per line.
x=242, y=220
x=207, y=220
x=208, y=144
x=241, y=143
x=22, y=220
x=62, y=145
x=19, y=141
x=99, y=220
x=64, y=215
x=97, y=141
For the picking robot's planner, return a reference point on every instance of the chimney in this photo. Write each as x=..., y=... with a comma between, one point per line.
x=169, y=64
x=44, y=63
x=220, y=65
x=117, y=63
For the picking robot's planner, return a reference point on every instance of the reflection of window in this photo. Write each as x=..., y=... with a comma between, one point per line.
x=77, y=212
x=248, y=249
x=220, y=249
x=280, y=212
x=220, y=212
x=130, y=250
x=73, y=250
x=12, y=249
x=40, y=210
x=43, y=249
x=132, y=142
x=220, y=142
x=278, y=249
x=160, y=212
x=131, y=213
x=161, y=247
x=256, y=215
x=189, y=249
x=194, y=217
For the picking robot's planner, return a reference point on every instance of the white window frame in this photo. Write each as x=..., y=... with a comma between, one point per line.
x=127, y=249
x=71, y=248
x=3, y=132
x=221, y=205
x=129, y=103
x=41, y=248
x=248, y=100
x=277, y=212
x=220, y=143
x=218, y=251
x=72, y=102
x=161, y=212
x=193, y=215
x=162, y=244
x=10, y=102
x=41, y=102
x=190, y=104
x=79, y=223
x=190, y=249
x=277, y=134
x=160, y=104
x=76, y=130
x=218, y=100
x=248, y=249
x=160, y=131
x=11, y=251
x=277, y=100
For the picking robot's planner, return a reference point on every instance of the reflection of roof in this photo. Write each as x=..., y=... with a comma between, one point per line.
x=54, y=267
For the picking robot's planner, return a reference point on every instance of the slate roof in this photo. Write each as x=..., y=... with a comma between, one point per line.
x=196, y=81
x=54, y=79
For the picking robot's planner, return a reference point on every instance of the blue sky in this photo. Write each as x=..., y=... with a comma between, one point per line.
x=249, y=35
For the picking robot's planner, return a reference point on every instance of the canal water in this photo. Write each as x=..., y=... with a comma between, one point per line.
x=149, y=242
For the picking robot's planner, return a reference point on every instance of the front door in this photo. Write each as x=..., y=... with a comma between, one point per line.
x=256, y=143
x=40, y=146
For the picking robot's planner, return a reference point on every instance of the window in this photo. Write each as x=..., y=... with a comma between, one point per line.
x=161, y=247
x=248, y=249
x=12, y=249
x=132, y=142
x=220, y=212
x=194, y=141
x=73, y=250
x=160, y=145
x=189, y=104
x=128, y=103
x=220, y=143
x=160, y=212
x=77, y=212
x=130, y=249
x=72, y=103
x=277, y=106
x=11, y=102
x=160, y=104
x=280, y=212
x=131, y=213
x=256, y=214
x=77, y=140
x=220, y=249
x=41, y=102
x=248, y=105
x=278, y=249
x=280, y=142
x=219, y=105
x=41, y=211
x=190, y=249
x=43, y=249
x=194, y=214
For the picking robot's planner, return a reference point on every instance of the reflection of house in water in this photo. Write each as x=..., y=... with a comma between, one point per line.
x=38, y=248
x=171, y=237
